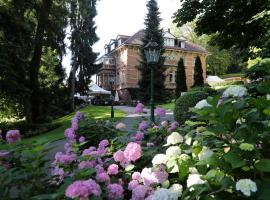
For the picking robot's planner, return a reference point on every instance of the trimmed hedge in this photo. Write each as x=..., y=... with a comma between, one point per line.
x=210, y=91
x=226, y=83
x=28, y=129
x=183, y=103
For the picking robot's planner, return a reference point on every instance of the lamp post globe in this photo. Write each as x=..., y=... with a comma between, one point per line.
x=152, y=54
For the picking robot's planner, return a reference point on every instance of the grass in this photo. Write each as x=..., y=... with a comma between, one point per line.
x=168, y=106
x=94, y=112
x=232, y=75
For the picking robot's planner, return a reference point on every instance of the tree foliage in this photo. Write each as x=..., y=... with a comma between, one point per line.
x=154, y=33
x=198, y=73
x=27, y=28
x=181, y=85
x=239, y=24
x=83, y=36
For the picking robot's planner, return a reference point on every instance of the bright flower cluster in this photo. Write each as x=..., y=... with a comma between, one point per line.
x=12, y=136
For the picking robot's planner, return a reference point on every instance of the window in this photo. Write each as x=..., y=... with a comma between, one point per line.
x=183, y=44
x=169, y=42
x=172, y=77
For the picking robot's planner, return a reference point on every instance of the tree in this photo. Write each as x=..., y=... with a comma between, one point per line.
x=181, y=85
x=26, y=27
x=198, y=73
x=234, y=24
x=83, y=36
x=154, y=33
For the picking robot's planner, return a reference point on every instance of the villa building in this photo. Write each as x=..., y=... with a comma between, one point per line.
x=119, y=64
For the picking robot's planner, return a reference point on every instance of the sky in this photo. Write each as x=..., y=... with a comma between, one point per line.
x=124, y=17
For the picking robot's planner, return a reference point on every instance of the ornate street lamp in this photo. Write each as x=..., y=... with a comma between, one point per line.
x=152, y=53
x=111, y=80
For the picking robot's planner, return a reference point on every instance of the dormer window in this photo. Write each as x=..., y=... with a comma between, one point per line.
x=182, y=44
x=169, y=42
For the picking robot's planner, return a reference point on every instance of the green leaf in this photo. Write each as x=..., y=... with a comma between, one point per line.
x=263, y=165
x=234, y=159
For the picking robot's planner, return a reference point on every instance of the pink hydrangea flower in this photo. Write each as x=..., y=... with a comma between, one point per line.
x=139, y=108
x=115, y=191
x=133, y=151
x=103, y=177
x=153, y=177
x=102, y=151
x=103, y=144
x=132, y=184
x=138, y=137
x=161, y=112
x=155, y=127
x=119, y=156
x=83, y=189
x=164, y=123
x=143, y=125
x=113, y=169
x=70, y=134
x=136, y=176
x=79, y=115
x=82, y=139
x=140, y=192
x=87, y=164
x=13, y=136
x=173, y=126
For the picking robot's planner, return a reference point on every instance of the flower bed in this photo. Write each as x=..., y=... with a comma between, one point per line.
x=222, y=154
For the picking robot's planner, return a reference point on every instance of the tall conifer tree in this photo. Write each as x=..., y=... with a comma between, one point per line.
x=154, y=33
x=181, y=85
x=83, y=36
x=198, y=73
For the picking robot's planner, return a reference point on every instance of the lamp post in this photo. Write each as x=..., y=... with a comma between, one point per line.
x=152, y=53
x=112, y=109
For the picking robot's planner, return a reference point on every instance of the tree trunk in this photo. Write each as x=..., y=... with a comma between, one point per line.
x=73, y=71
x=35, y=62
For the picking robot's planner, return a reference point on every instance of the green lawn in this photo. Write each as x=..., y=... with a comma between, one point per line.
x=168, y=106
x=95, y=112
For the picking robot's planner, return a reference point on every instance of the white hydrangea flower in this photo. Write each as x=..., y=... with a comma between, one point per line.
x=172, y=165
x=194, y=179
x=246, y=186
x=240, y=121
x=268, y=96
x=202, y=104
x=174, y=138
x=173, y=151
x=160, y=159
x=163, y=194
x=205, y=153
x=177, y=188
x=235, y=91
x=193, y=170
x=184, y=157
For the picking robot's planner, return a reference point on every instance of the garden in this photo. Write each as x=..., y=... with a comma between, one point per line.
x=218, y=150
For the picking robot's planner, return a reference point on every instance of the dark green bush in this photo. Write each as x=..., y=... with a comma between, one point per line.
x=226, y=83
x=210, y=91
x=183, y=103
x=28, y=129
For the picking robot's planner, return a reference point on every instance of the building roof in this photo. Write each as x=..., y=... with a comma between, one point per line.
x=136, y=39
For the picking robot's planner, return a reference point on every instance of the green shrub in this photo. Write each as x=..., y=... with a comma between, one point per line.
x=226, y=83
x=28, y=129
x=210, y=91
x=183, y=103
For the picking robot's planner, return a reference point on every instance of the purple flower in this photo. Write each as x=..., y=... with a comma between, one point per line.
x=79, y=115
x=82, y=139
x=156, y=127
x=99, y=169
x=82, y=189
x=74, y=123
x=132, y=184
x=138, y=137
x=64, y=159
x=103, y=177
x=13, y=136
x=87, y=164
x=115, y=191
x=140, y=192
x=3, y=154
x=89, y=152
x=160, y=112
x=112, y=169
x=103, y=144
x=133, y=151
x=139, y=108
x=153, y=177
x=102, y=151
x=143, y=125
x=70, y=134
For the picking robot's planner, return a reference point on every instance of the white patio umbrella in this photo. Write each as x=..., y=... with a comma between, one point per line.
x=95, y=89
x=116, y=98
